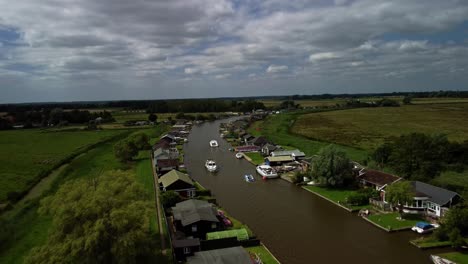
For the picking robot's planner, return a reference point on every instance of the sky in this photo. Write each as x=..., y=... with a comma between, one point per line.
x=81, y=50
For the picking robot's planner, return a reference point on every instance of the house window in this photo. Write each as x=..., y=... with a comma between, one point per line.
x=431, y=206
x=213, y=225
x=191, y=193
x=186, y=250
x=194, y=228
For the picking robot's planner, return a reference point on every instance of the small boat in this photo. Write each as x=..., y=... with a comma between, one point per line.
x=424, y=227
x=266, y=171
x=440, y=260
x=213, y=143
x=211, y=165
x=249, y=178
x=239, y=155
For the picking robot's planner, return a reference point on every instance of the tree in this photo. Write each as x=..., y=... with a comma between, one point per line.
x=399, y=194
x=170, y=198
x=407, y=99
x=454, y=226
x=140, y=140
x=332, y=167
x=125, y=150
x=55, y=116
x=382, y=154
x=105, y=220
x=153, y=118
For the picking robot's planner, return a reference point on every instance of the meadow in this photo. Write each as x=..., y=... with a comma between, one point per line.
x=277, y=128
x=28, y=155
x=367, y=128
x=30, y=229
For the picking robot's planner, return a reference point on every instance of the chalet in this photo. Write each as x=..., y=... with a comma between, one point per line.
x=185, y=247
x=165, y=165
x=295, y=154
x=246, y=138
x=277, y=161
x=247, y=148
x=178, y=182
x=195, y=218
x=432, y=200
x=258, y=141
x=376, y=179
x=164, y=144
x=231, y=255
x=160, y=153
x=268, y=148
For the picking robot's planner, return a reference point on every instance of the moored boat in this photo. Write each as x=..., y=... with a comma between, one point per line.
x=249, y=178
x=267, y=171
x=440, y=260
x=213, y=143
x=211, y=165
x=239, y=155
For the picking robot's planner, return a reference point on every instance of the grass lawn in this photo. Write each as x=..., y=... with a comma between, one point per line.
x=264, y=254
x=390, y=221
x=336, y=195
x=429, y=242
x=277, y=128
x=28, y=155
x=367, y=128
x=256, y=157
x=457, y=257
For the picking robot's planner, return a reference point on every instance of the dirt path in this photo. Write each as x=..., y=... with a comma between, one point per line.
x=158, y=206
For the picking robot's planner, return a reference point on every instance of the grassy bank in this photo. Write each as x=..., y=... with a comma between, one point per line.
x=366, y=128
x=264, y=254
x=457, y=257
x=279, y=129
x=337, y=196
x=29, y=155
x=391, y=221
x=429, y=242
x=256, y=157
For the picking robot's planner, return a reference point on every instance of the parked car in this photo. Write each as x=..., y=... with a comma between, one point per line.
x=424, y=227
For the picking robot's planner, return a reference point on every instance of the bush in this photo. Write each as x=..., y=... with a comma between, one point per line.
x=357, y=199
x=170, y=198
x=203, y=193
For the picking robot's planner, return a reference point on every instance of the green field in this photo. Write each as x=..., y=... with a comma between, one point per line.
x=28, y=155
x=366, y=128
x=457, y=257
x=336, y=195
x=256, y=157
x=29, y=229
x=277, y=129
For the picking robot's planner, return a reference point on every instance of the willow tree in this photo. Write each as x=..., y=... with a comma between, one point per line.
x=331, y=167
x=106, y=220
x=399, y=194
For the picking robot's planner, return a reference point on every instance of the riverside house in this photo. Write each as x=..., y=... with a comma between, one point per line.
x=430, y=200
x=178, y=182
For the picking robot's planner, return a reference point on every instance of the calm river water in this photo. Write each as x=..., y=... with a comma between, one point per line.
x=297, y=226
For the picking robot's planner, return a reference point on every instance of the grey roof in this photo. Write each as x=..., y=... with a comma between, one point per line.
x=270, y=147
x=190, y=242
x=173, y=176
x=295, y=153
x=435, y=194
x=192, y=211
x=232, y=255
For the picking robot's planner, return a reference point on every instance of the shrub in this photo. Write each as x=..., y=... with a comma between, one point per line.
x=357, y=199
x=170, y=198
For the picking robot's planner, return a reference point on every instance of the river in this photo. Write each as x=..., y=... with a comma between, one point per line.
x=297, y=226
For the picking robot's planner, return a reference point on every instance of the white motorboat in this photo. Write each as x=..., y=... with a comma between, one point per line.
x=266, y=171
x=239, y=155
x=213, y=143
x=211, y=165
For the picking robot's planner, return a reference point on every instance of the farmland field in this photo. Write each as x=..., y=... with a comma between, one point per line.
x=366, y=128
x=26, y=154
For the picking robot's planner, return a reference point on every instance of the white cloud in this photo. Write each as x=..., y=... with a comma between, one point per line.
x=190, y=70
x=323, y=56
x=276, y=68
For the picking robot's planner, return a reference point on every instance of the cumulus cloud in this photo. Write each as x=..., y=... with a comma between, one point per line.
x=143, y=42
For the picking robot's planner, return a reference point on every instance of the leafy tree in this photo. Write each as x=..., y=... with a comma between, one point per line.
x=170, y=198
x=140, y=140
x=332, y=167
x=454, y=226
x=180, y=115
x=55, y=116
x=125, y=150
x=399, y=194
x=106, y=220
x=153, y=118
x=382, y=154
x=407, y=99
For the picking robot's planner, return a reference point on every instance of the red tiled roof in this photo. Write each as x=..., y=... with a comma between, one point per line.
x=377, y=177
